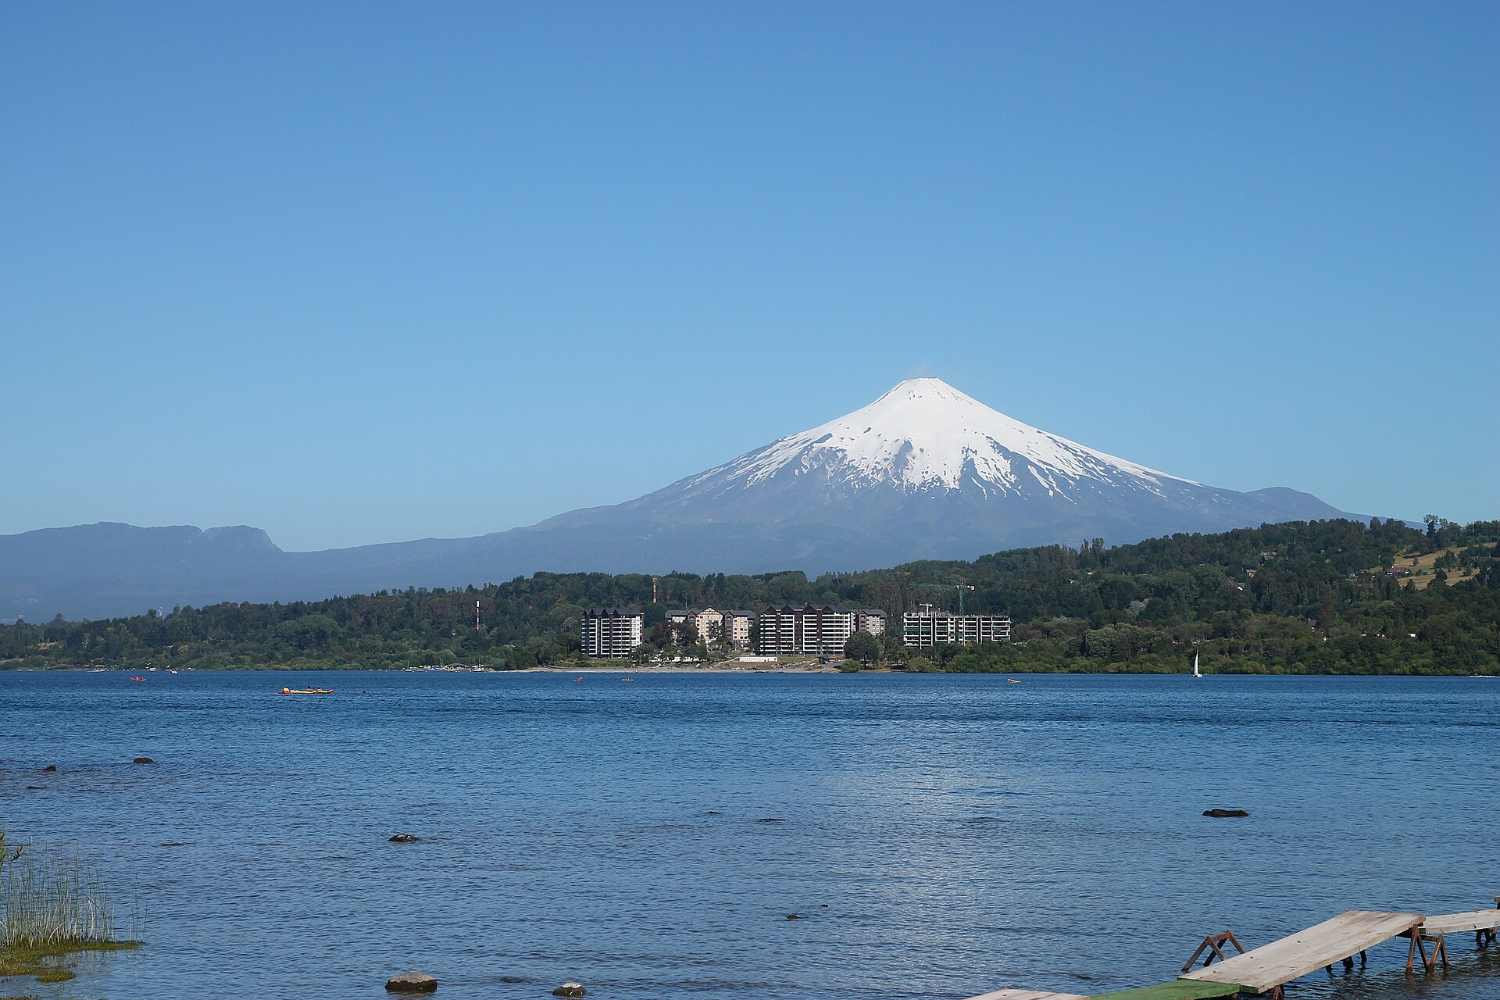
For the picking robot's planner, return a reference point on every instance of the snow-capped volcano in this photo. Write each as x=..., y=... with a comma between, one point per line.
x=926, y=435
x=923, y=472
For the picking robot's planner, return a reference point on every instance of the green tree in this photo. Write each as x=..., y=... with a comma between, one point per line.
x=862, y=646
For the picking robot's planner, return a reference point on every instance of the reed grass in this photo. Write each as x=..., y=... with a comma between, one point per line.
x=49, y=910
x=51, y=904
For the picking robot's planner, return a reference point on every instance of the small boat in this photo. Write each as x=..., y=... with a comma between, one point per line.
x=1011, y=680
x=137, y=678
x=307, y=690
x=1195, y=667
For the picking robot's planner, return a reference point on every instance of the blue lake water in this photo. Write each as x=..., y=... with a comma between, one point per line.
x=939, y=835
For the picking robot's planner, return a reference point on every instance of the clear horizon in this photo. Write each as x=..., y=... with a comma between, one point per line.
x=357, y=276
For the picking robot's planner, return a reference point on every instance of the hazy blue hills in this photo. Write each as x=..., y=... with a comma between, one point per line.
x=924, y=472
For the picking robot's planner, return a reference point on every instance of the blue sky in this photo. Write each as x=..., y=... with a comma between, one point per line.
x=374, y=272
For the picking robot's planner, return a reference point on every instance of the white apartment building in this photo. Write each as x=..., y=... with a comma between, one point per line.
x=610, y=632
x=808, y=631
x=930, y=628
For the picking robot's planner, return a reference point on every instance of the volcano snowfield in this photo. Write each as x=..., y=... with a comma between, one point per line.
x=923, y=472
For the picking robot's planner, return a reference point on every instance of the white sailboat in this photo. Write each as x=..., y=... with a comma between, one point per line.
x=1195, y=667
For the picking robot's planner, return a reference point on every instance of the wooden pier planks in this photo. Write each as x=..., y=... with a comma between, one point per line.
x=1027, y=995
x=1293, y=957
x=1457, y=923
x=1177, y=989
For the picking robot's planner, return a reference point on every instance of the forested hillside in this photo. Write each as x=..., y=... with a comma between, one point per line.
x=1318, y=597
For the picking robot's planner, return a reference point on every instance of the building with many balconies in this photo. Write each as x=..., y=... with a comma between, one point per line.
x=871, y=620
x=932, y=628
x=610, y=632
x=806, y=631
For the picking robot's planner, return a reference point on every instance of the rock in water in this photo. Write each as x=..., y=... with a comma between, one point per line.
x=569, y=989
x=411, y=982
x=50, y=769
x=405, y=838
x=143, y=760
x=1225, y=813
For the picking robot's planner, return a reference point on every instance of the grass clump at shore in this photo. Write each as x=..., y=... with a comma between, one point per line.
x=49, y=911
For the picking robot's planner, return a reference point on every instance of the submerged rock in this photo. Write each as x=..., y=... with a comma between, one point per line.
x=404, y=838
x=50, y=769
x=143, y=760
x=1225, y=813
x=569, y=989
x=411, y=982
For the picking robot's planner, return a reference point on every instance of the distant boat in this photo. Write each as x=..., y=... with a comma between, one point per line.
x=137, y=678
x=1011, y=680
x=1195, y=667
x=307, y=690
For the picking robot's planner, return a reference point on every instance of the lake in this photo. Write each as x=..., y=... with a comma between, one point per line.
x=938, y=835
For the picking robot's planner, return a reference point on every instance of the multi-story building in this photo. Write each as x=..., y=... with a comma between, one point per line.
x=708, y=623
x=737, y=628
x=871, y=620
x=808, y=631
x=610, y=631
x=930, y=628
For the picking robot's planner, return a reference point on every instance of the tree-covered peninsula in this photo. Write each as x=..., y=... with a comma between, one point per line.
x=1306, y=597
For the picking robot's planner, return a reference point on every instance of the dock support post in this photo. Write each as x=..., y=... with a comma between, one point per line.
x=1419, y=943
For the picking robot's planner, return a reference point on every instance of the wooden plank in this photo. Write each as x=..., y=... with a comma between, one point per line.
x=1294, y=956
x=1178, y=989
x=1027, y=995
x=1457, y=923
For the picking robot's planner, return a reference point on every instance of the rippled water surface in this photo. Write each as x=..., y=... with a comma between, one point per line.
x=938, y=835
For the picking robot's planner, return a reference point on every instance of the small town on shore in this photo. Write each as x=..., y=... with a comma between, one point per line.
x=822, y=631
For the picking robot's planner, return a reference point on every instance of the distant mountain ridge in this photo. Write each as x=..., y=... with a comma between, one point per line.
x=923, y=472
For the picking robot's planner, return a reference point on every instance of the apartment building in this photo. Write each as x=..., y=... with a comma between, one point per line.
x=871, y=620
x=931, y=628
x=737, y=628
x=711, y=625
x=806, y=631
x=610, y=632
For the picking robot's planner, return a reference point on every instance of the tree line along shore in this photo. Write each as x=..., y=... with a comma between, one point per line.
x=1321, y=597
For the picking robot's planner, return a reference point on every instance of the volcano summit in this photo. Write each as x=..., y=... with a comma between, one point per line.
x=923, y=472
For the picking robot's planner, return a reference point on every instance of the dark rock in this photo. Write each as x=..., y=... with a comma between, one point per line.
x=569, y=989
x=411, y=982
x=143, y=760
x=1225, y=813
x=794, y=916
x=405, y=838
x=713, y=812
x=50, y=769
x=771, y=819
x=36, y=788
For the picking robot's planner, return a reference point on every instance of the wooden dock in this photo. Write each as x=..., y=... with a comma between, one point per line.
x=1267, y=968
x=1482, y=922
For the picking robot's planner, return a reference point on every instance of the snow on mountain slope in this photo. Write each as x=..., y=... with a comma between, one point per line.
x=925, y=435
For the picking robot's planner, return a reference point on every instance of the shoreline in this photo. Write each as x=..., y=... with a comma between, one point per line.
x=724, y=668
